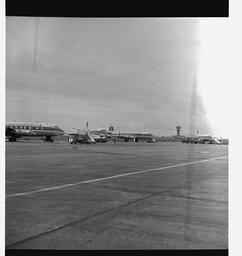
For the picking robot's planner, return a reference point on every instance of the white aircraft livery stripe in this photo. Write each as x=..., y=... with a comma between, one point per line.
x=110, y=177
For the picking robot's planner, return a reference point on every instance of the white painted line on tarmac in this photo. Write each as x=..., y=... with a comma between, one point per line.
x=110, y=177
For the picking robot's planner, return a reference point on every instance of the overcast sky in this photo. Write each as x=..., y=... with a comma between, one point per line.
x=137, y=74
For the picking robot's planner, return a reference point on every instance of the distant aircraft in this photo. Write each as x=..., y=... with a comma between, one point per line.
x=134, y=136
x=102, y=135
x=202, y=139
x=208, y=139
x=16, y=130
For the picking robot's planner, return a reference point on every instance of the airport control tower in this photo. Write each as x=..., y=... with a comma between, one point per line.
x=178, y=130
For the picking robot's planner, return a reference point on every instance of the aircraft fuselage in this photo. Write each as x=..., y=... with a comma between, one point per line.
x=16, y=130
x=135, y=136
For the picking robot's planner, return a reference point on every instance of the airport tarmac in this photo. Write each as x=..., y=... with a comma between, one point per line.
x=165, y=195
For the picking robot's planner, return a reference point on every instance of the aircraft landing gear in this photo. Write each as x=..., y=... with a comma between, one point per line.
x=48, y=139
x=12, y=139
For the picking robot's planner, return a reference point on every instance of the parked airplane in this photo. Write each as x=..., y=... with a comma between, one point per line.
x=102, y=135
x=135, y=137
x=16, y=130
x=208, y=139
x=204, y=139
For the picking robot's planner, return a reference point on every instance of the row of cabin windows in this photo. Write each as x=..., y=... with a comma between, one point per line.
x=27, y=127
